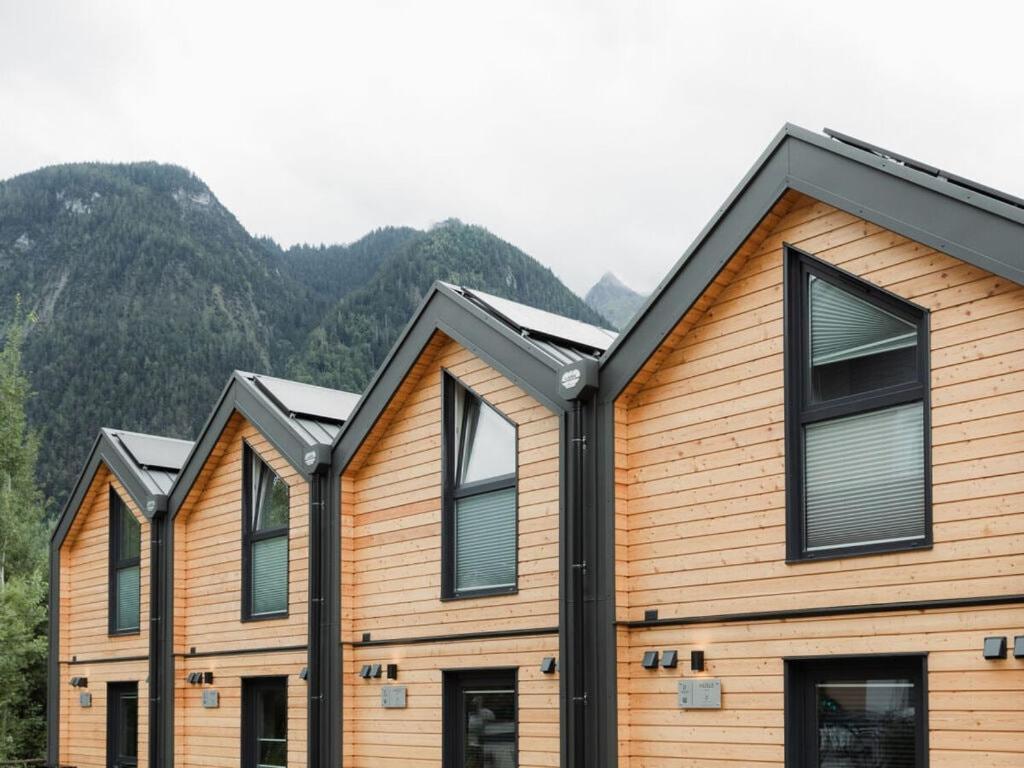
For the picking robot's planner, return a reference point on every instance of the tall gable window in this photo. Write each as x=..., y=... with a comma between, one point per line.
x=858, y=475
x=479, y=517
x=264, y=540
x=125, y=546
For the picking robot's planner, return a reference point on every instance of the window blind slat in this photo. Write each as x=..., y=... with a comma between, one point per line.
x=270, y=575
x=485, y=540
x=864, y=478
x=128, y=598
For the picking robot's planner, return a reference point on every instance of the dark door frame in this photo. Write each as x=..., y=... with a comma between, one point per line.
x=453, y=711
x=248, y=735
x=115, y=706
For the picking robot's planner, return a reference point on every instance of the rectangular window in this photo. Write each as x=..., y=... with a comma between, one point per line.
x=265, y=512
x=125, y=546
x=265, y=722
x=122, y=725
x=479, y=516
x=480, y=720
x=868, y=711
x=857, y=416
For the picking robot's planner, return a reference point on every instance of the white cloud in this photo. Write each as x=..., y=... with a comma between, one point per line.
x=595, y=135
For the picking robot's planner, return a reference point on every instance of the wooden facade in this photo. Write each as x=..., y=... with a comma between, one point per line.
x=701, y=508
x=651, y=515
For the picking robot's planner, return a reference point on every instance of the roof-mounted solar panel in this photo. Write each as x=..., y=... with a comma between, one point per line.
x=547, y=324
x=155, y=452
x=298, y=399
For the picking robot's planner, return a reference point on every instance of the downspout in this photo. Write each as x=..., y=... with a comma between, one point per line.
x=53, y=662
x=318, y=461
x=157, y=508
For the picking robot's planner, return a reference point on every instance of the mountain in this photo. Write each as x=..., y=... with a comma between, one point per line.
x=614, y=299
x=147, y=292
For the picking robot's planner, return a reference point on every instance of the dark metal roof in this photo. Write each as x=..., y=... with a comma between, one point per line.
x=954, y=215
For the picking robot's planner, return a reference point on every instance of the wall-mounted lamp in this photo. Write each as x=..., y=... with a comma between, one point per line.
x=651, y=614
x=199, y=678
x=364, y=672
x=995, y=648
x=548, y=665
x=1018, y=647
x=304, y=673
x=392, y=672
x=697, y=661
x=79, y=682
x=650, y=660
x=669, y=659
x=375, y=670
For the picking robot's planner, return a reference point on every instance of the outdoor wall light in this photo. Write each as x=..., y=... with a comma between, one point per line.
x=79, y=682
x=669, y=659
x=995, y=648
x=392, y=672
x=548, y=665
x=375, y=670
x=365, y=671
x=1018, y=647
x=198, y=678
x=193, y=678
x=208, y=678
x=697, y=661
x=304, y=673
x=650, y=660
x=651, y=614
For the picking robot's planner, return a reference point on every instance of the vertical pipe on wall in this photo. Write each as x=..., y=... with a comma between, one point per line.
x=157, y=557
x=314, y=679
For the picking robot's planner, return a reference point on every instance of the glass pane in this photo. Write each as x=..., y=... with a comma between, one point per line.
x=856, y=346
x=272, y=727
x=866, y=724
x=864, y=478
x=127, y=598
x=488, y=446
x=485, y=540
x=129, y=726
x=270, y=575
x=490, y=728
x=269, y=497
x=131, y=534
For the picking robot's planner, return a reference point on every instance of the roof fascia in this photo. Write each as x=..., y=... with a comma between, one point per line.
x=446, y=311
x=242, y=397
x=978, y=230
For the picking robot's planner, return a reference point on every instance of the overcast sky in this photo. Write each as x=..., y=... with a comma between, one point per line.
x=594, y=135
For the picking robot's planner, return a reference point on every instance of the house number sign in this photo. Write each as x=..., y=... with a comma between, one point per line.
x=702, y=693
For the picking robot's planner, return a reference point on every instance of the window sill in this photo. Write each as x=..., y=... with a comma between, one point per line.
x=480, y=593
x=265, y=617
x=863, y=552
x=124, y=632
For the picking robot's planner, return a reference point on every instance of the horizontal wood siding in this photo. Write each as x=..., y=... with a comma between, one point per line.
x=975, y=706
x=391, y=570
x=411, y=737
x=212, y=738
x=84, y=626
x=700, y=476
x=83, y=730
x=208, y=542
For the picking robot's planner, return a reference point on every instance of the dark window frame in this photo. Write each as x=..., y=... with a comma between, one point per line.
x=116, y=506
x=250, y=537
x=451, y=492
x=454, y=681
x=115, y=703
x=800, y=410
x=249, y=737
x=800, y=672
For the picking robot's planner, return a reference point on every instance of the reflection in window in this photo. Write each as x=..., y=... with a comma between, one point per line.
x=866, y=724
x=266, y=538
x=125, y=548
x=490, y=728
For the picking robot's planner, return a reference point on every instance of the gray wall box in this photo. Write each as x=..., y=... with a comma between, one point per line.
x=211, y=699
x=392, y=697
x=701, y=693
x=85, y=699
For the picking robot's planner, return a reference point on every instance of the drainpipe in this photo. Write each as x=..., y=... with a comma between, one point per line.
x=156, y=507
x=318, y=461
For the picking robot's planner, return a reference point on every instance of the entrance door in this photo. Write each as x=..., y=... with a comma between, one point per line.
x=122, y=725
x=480, y=722
x=265, y=722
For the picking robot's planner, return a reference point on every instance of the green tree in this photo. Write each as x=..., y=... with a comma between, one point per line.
x=23, y=588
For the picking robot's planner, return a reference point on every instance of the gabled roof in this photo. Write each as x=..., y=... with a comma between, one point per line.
x=527, y=345
x=300, y=420
x=949, y=213
x=146, y=465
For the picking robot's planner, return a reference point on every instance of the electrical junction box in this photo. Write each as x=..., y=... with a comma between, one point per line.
x=700, y=693
x=392, y=697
